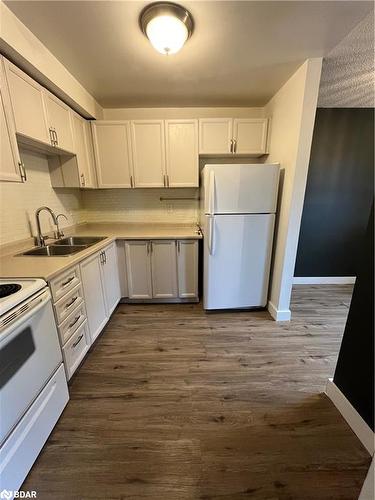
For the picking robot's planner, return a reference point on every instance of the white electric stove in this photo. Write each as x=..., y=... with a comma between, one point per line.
x=14, y=291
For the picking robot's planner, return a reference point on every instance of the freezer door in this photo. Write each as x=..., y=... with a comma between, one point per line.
x=237, y=256
x=240, y=189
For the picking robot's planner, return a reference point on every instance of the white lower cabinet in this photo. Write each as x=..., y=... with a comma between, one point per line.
x=110, y=277
x=138, y=265
x=162, y=269
x=93, y=289
x=76, y=348
x=187, y=268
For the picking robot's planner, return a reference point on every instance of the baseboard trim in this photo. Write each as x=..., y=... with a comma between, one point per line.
x=324, y=280
x=278, y=314
x=353, y=418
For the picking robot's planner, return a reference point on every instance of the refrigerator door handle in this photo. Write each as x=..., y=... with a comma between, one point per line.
x=211, y=193
x=211, y=224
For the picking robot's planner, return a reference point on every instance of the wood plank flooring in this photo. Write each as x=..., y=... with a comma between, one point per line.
x=175, y=404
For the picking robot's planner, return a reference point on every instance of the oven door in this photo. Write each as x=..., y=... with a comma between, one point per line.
x=29, y=355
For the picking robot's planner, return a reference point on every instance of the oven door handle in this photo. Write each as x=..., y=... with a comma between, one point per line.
x=9, y=329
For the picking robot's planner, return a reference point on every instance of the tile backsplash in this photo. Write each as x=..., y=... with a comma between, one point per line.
x=18, y=201
x=140, y=205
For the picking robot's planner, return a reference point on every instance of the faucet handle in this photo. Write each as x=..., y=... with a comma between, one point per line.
x=61, y=215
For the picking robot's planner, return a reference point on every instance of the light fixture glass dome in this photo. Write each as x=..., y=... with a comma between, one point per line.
x=167, y=26
x=167, y=34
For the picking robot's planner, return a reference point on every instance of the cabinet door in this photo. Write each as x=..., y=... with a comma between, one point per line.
x=82, y=148
x=138, y=267
x=187, y=266
x=182, y=153
x=164, y=269
x=215, y=135
x=58, y=117
x=250, y=135
x=93, y=289
x=110, y=274
x=113, y=154
x=27, y=103
x=148, y=153
x=9, y=157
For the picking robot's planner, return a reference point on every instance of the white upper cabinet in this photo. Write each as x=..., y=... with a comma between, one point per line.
x=10, y=162
x=60, y=125
x=164, y=269
x=182, y=153
x=138, y=266
x=113, y=155
x=84, y=150
x=27, y=104
x=148, y=145
x=187, y=265
x=245, y=136
x=250, y=135
x=215, y=135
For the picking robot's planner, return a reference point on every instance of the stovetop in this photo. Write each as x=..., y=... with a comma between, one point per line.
x=15, y=291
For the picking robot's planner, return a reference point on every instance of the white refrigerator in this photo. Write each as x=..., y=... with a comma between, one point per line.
x=238, y=206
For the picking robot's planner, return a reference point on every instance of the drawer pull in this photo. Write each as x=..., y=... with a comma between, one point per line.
x=67, y=282
x=76, y=319
x=71, y=302
x=77, y=341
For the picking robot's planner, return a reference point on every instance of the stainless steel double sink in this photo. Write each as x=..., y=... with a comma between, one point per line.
x=65, y=246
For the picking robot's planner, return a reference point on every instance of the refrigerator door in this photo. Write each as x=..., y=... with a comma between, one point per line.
x=237, y=257
x=240, y=189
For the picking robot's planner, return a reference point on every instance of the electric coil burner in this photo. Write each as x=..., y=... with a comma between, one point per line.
x=8, y=289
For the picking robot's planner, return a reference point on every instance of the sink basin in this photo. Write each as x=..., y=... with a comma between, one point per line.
x=55, y=250
x=79, y=240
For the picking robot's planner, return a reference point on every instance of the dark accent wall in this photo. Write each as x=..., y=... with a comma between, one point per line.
x=339, y=192
x=354, y=374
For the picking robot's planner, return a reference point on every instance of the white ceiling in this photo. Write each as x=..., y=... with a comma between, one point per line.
x=348, y=70
x=240, y=53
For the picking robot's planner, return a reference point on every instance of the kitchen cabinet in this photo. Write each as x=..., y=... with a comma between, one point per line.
x=138, y=268
x=59, y=122
x=84, y=151
x=110, y=277
x=187, y=268
x=241, y=136
x=148, y=147
x=27, y=104
x=250, y=136
x=164, y=269
x=11, y=167
x=182, y=162
x=113, y=156
x=94, y=293
x=215, y=135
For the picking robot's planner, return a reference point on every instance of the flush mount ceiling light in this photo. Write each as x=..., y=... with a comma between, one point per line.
x=167, y=26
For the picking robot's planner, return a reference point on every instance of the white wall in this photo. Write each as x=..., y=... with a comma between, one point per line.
x=27, y=51
x=18, y=201
x=171, y=113
x=293, y=112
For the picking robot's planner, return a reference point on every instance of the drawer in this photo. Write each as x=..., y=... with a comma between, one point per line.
x=75, y=349
x=72, y=322
x=68, y=303
x=65, y=282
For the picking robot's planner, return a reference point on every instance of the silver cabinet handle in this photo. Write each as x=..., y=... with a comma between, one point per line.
x=50, y=136
x=165, y=184
x=151, y=246
x=105, y=257
x=77, y=341
x=67, y=282
x=231, y=145
x=83, y=182
x=235, y=146
x=167, y=180
x=148, y=247
x=178, y=246
x=131, y=181
x=76, y=319
x=21, y=166
x=56, y=137
x=67, y=306
x=101, y=258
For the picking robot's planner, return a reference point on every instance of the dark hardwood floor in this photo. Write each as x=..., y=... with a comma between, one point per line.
x=173, y=403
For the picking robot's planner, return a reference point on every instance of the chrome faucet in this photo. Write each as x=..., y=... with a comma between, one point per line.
x=59, y=232
x=40, y=239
